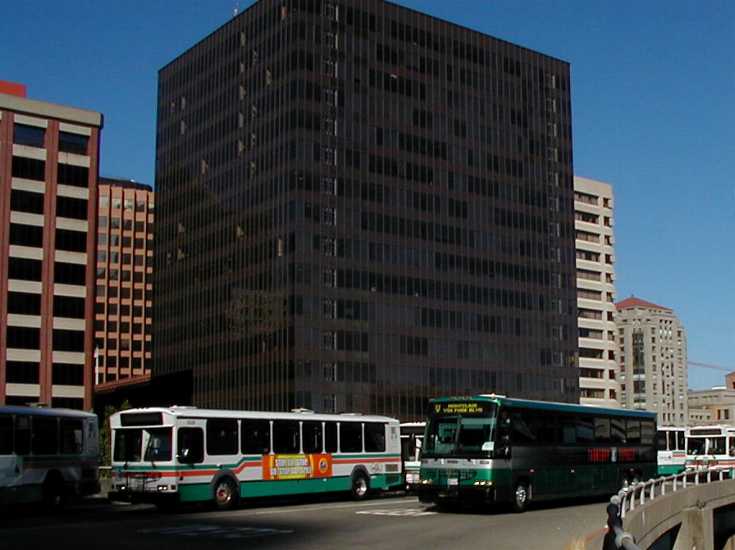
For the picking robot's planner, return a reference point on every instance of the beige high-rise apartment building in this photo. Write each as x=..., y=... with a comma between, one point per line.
x=593, y=224
x=653, y=360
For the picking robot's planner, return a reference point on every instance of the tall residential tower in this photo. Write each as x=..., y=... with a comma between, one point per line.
x=48, y=190
x=361, y=206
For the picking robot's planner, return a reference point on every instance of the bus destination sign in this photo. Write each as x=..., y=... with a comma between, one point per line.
x=461, y=407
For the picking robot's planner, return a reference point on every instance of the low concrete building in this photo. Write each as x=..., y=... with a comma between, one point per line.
x=713, y=406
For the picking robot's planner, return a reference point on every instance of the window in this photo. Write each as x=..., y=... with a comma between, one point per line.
x=602, y=431
x=68, y=306
x=190, y=445
x=521, y=432
x=73, y=143
x=26, y=235
x=286, y=437
x=31, y=169
x=312, y=437
x=159, y=444
x=68, y=340
x=661, y=442
x=6, y=434
x=72, y=433
x=23, y=337
x=633, y=432
x=22, y=435
x=648, y=429
x=350, y=436
x=68, y=207
x=32, y=136
x=26, y=201
x=128, y=445
x=256, y=437
x=45, y=438
x=21, y=372
x=24, y=269
x=77, y=176
x=70, y=274
x=67, y=374
x=374, y=438
x=221, y=437
x=330, y=437
x=24, y=303
x=73, y=241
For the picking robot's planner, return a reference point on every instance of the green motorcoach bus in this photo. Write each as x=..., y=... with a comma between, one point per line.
x=489, y=448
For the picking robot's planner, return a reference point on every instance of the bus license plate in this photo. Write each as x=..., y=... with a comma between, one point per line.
x=452, y=481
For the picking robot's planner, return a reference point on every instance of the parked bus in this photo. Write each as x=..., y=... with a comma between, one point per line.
x=489, y=448
x=412, y=435
x=710, y=446
x=186, y=454
x=671, y=446
x=47, y=455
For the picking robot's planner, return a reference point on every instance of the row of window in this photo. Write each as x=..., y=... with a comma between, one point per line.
x=40, y=435
x=32, y=235
x=30, y=338
x=35, y=169
x=66, y=207
x=26, y=269
x=35, y=136
x=25, y=303
x=25, y=372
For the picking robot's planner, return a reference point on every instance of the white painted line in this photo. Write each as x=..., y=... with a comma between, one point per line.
x=318, y=508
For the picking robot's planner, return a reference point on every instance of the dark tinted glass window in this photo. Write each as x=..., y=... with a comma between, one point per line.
x=6, y=434
x=70, y=207
x=585, y=430
x=191, y=445
x=330, y=437
x=350, y=436
x=128, y=445
x=73, y=241
x=68, y=340
x=568, y=429
x=77, y=176
x=648, y=429
x=26, y=201
x=617, y=431
x=23, y=337
x=68, y=374
x=73, y=143
x=633, y=432
x=24, y=269
x=26, y=235
x=45, y=439
x=21, y=372
x=521, y=428
x=70, y=274
x=374, y=438
x=312, y=433
x=221, y=437
x=602, y=431
x=680, y=444
x=72, y=434
x=286, y=436
x=22, y=435
x=24, y=134
x=661, y=443
x=30, y=169
x=24, y=303
x=69, y=306
x=256, y=437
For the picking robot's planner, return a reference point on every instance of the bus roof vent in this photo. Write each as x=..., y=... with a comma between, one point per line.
x=302, y=410
x=351, y=414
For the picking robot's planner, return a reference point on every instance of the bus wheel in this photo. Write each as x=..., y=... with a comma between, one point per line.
x=520, y=497
x=360, y=486
x=225, y=494
x=53, y=492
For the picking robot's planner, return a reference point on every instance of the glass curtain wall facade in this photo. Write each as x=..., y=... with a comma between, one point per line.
x=359, y=207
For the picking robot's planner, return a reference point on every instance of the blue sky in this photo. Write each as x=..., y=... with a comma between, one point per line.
x=653, y=87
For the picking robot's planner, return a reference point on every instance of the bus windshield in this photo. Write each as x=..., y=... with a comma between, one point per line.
x=129, y=445
x=460, y=435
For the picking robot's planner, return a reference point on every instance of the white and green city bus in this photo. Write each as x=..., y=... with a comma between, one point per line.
x=412, y=435
x=186, y=454
x=47, y=455
x=489, y=448
x=710, y=446
x=672, y=452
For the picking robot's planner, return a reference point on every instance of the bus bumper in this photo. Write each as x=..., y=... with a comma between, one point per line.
x=466, y=493
x=122, y=494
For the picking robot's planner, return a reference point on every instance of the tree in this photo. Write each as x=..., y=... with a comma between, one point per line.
x=106, y=432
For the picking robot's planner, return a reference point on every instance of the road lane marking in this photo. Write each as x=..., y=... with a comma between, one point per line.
x=406, y=512
x=318, y=508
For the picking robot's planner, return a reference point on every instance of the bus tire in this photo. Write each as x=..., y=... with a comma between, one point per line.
x=520, y=497
x=226, y=496
x=52, y=491
x=360, y=485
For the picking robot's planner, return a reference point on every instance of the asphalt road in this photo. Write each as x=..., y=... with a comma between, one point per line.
x=384, y=522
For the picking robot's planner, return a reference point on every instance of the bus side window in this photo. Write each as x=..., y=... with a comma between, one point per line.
x=71, y=436
x=45, y=438
x=256, y=437
x=648, y=429
x=312, y=434
x=6, y=434
x=661, y=437
x=602, y=431
x=191, y=445
x=568, y=430
x=286, y=437
x=680, y=442
x=221, y=436
x=350, y=436
x=374, y=437
x=330, y=437
x=617, y=431
x=585, y=430
x=633, y=432
x=22, y=435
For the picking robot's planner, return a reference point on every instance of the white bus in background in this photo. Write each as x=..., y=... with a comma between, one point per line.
x=710, y=446
x=168, y=455
x=412, y=435
x=47, y=455
x=672, y=454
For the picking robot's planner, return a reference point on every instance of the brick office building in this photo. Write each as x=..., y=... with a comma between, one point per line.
x=48, y=189
x=361, y=206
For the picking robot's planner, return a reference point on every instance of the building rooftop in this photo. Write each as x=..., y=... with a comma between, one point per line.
x=633, y=302
x=13, y=98
x=129, y=184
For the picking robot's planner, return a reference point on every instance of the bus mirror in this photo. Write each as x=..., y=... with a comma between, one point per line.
x=417, y=442
x=488, y=446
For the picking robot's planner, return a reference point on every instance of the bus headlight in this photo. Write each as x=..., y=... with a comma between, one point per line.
x=483, y=483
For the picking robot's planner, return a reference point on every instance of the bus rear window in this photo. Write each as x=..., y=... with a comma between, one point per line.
x=128, y=445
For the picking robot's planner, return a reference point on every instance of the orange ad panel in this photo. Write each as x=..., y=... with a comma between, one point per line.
x=309, y=466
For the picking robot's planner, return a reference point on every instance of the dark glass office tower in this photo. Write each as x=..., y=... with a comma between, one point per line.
x=360, y=207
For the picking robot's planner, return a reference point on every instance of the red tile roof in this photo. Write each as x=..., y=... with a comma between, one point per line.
x=633, y=302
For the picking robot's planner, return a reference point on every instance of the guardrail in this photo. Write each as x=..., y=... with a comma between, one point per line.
x=633, y=498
